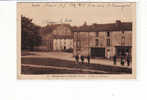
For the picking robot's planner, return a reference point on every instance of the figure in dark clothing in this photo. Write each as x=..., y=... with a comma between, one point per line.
x=128, y=60
x=77, y=58
x=88, y=59
x=82, y=59
x=122, y=60
x=114, y=59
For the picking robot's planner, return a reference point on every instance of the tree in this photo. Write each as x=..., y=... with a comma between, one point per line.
x=30, y=35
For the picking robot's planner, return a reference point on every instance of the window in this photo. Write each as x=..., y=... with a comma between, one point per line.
x=123, y=32
x=123, y=37
x=108, y=34
x=97, y=42
x=64, y=42
x=123, y=40
x=64, y=47
x=108, y=42
x=78, y=44
x=97, y=33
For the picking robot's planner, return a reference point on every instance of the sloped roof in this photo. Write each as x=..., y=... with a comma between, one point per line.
x=62, y=36
x=104, y=27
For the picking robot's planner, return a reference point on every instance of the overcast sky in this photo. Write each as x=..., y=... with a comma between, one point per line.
x=44, y=13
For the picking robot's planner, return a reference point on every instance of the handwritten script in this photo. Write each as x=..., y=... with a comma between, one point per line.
x=79, y=5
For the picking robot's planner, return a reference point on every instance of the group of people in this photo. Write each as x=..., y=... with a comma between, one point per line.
x=82, y=58
x=123, y=59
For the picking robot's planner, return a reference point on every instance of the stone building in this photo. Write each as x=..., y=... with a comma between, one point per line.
x=60, y=39
x=61, y=43
x=103, y=40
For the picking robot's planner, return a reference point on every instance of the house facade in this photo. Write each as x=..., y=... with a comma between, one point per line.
x=61, y=43
x=103, y=40
x=60, y=39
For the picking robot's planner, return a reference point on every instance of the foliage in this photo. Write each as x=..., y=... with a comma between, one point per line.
x=30, y=35
x=48, y=29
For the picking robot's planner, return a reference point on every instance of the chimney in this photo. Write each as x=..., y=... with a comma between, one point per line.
x=118, y=22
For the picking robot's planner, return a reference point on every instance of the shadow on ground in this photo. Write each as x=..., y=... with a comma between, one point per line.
x=69, y=64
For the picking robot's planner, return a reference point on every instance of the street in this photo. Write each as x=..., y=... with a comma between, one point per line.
x=36, y=64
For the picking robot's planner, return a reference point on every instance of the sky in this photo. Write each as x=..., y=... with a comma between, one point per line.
x=76, y=14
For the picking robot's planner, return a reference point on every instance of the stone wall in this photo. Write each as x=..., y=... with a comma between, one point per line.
x=88, y=40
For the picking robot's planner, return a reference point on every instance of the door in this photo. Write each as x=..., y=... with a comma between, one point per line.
x=98, y=52
x=121, y=50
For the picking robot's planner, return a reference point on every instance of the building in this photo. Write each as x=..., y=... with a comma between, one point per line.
x=62, y=43
x=103, y=40
x=60, y=39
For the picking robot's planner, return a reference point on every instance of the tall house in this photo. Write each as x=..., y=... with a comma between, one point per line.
x=103, y=40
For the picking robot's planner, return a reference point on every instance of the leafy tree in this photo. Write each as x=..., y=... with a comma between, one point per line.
x=48, y=29
x=30, y=35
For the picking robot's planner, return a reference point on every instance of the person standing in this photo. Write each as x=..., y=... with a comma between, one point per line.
x=108, y=54
x=114, y=60
x=88, y=59
x=77, y=58
x=82, y=59
x=122, y=60
x=128, y=60
x=126, y=55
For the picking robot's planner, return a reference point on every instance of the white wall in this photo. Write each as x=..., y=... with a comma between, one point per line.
x=54, y=44
x=58, y=44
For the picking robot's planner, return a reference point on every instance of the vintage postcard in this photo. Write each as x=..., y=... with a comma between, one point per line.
x=76, y=40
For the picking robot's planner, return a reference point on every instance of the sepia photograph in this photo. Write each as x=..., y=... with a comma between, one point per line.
x=76, y=40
